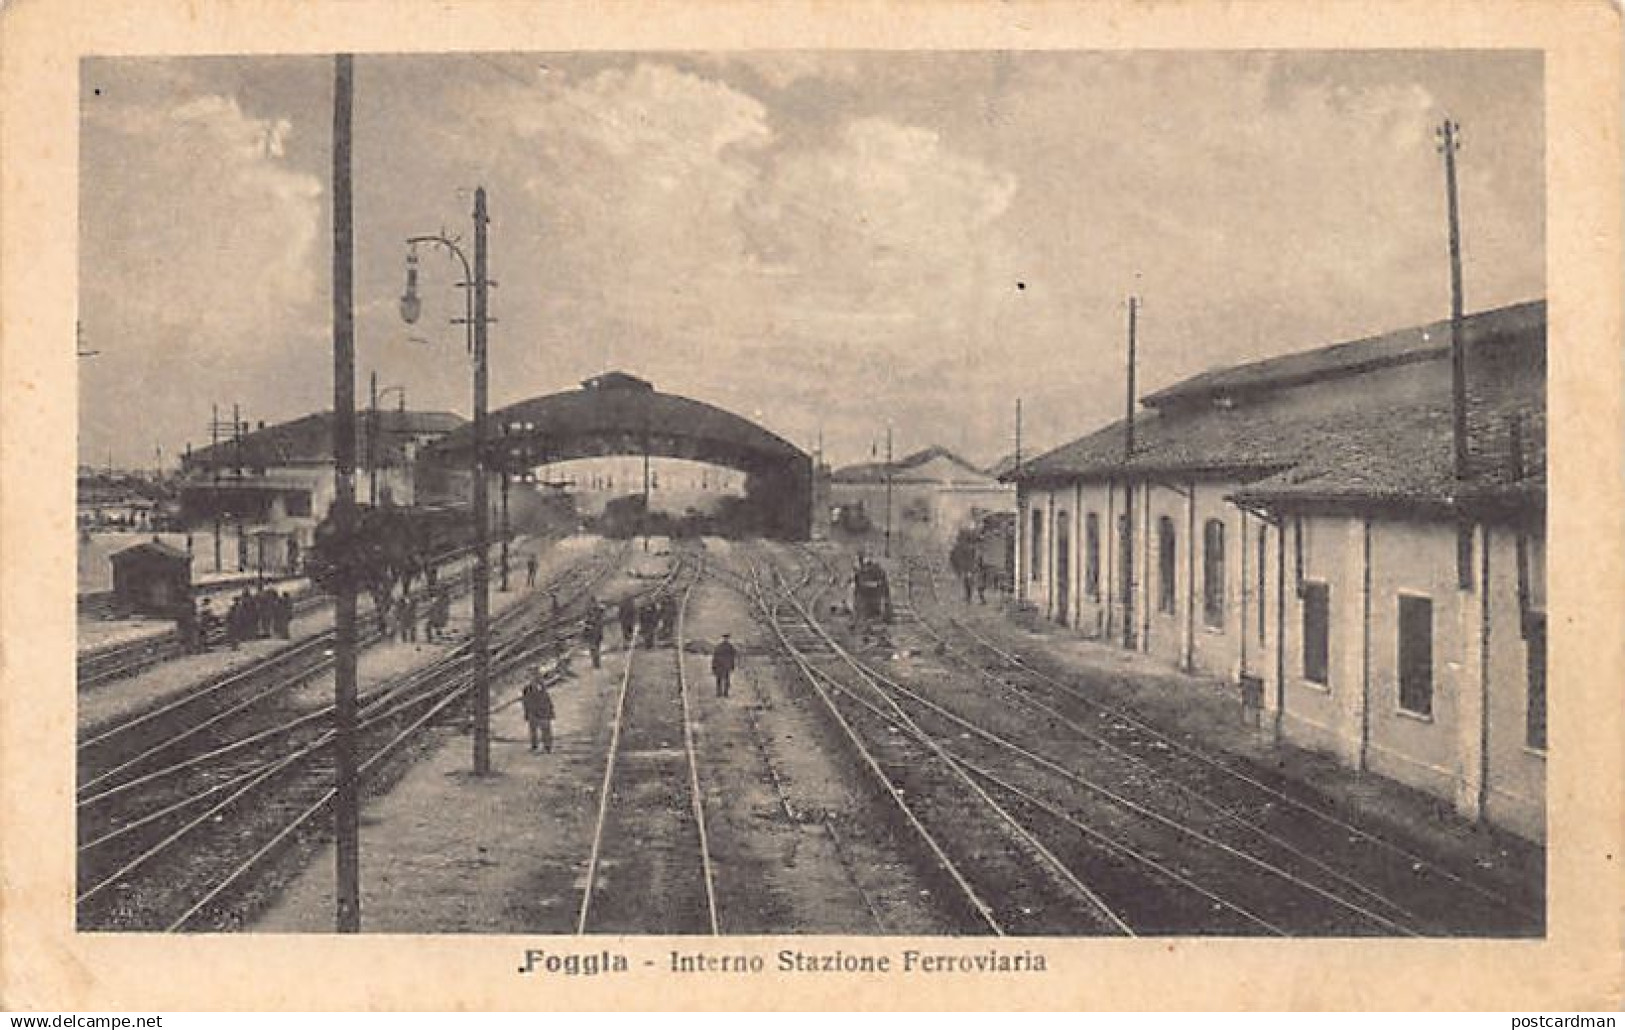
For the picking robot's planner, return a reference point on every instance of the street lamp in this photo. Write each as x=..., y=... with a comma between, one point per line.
x=475, y=293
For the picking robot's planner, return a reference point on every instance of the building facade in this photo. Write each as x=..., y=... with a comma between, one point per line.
x=1298, y=527
x=932, y=493
x=276, y=483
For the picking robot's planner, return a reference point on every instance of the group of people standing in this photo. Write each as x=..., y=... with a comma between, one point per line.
x=966, y=561
x=435, y=616
x=256, y=614
x=656, y=620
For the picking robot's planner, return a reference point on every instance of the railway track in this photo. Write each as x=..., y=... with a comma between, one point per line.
x=983, y=859
x=1289, y=859
x=650, y=868
x=178, y=844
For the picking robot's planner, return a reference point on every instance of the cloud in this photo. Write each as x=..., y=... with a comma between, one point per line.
x=200, y=253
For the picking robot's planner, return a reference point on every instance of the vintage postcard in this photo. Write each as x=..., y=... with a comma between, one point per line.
x=878, y=506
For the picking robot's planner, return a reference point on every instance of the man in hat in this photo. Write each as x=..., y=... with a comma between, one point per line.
x=723, y=660
x=538, y=705
x=593, y=633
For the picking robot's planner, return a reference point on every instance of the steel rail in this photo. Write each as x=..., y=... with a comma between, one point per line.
x=439, y=695
x=585, y=911
x=1142, y=810
x=930, y=741
x=1224, y=813
x=1067, y=818
x=695, y=796
x=981, y=908
x=1315, y=811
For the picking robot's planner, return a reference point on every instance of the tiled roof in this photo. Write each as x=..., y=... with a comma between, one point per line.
x=310, y=439
x=150, y=547
x=1406, y=454
x=1419, y=343
x=1343, y=445
x=901, y=469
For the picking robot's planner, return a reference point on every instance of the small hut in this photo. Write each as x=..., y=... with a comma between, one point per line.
x=151, y=578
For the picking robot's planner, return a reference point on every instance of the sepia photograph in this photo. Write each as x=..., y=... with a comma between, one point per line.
x=910, y=506
x=816, y=492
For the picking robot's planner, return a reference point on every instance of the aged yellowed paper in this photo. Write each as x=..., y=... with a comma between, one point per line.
x=778, y=270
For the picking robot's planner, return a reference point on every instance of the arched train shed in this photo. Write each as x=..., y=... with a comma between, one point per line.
x=620, y=414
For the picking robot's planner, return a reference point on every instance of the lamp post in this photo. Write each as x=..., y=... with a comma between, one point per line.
x=372, y=434
x=475, y=294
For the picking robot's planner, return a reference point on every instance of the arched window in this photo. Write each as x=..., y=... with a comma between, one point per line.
x=1213, y=574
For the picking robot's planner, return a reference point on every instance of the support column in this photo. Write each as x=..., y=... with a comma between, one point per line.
x=1109, y=549
x=1023, y=544
x=1049, y=555
x=1272, y=655
x=1471, y=680
x=1187, y=637
x=1147, y=582
x=1350, y=629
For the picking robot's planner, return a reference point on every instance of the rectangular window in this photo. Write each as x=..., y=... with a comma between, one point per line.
x=1213, y=574
x=297, y=503
x=1035, y=567
x=1165, y=564
x=1416, y=655
x=1535, y=714
x=1091, y=555
x=1317, y=613
x=1262, y=554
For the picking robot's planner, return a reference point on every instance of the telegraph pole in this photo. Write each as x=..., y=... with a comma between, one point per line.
x=1128, y=487
x=888, y=489
x=1128, y=436
x=372, y=440
x=1017, y=468
x=214, y=464
x=1449, y=134
x=346, y=814
x=482, y=501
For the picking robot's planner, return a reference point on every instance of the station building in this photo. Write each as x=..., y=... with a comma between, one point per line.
x=1295, y=526
x=276, y=483
x=934, y=493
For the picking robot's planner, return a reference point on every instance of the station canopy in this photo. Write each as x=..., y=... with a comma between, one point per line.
x=620, y=414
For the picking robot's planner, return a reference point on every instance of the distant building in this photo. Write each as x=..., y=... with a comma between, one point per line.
x=1295, y=526
x=277, y=482
x=934, y=493
x=105, y=500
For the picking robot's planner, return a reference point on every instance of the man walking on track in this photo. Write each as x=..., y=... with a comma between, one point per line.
x=538, y=706
x=530, y=570
x=593, y=634
x=629, y=620
x=723, y=660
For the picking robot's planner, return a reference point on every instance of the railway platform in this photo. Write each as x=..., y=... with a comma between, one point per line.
x=117, y=699
x=446, y=850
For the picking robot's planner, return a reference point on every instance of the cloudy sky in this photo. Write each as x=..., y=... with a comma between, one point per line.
x=815, y=240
